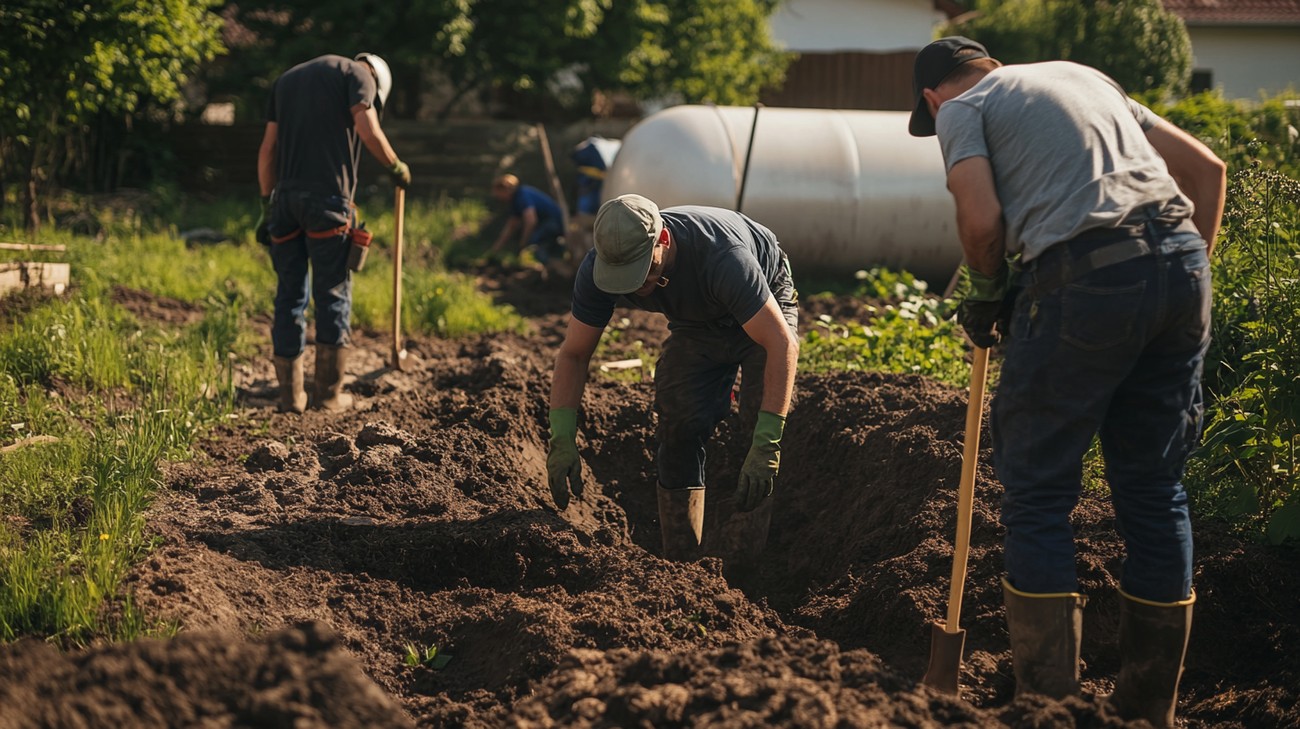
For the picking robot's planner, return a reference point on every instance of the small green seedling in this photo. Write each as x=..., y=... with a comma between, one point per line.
x=429, y=656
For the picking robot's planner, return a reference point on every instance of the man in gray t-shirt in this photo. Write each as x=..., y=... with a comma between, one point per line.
x=723, y=283
x=1110, y=213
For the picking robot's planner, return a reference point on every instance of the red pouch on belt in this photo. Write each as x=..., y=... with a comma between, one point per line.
x=360, y=239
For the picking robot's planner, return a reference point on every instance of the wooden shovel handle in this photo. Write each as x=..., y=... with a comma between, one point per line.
x=399, y=214
x=966, y=490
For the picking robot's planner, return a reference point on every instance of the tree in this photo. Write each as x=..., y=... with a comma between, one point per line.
x=549, y=53
x=1136, y=42
x=64, y=62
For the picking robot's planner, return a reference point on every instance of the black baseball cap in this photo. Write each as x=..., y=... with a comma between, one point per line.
x=933, y=64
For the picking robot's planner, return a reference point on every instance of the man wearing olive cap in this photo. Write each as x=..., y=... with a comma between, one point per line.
x=1112, y=213
x=724, y=284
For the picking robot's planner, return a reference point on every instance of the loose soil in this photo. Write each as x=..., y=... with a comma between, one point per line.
x=300, y=555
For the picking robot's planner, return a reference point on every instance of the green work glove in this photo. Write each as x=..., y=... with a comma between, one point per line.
x=762, y=463
x=563, y=465
x=262, y=231
x=400, y=173
x=981, y=313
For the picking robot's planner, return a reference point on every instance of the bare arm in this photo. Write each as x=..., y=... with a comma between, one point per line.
x=979, y=214
x=506, y=232
x=770, y=331
x=372, y=135
x=571, y=364
x=1200, y=174
x=529, y=217
x=266, y=159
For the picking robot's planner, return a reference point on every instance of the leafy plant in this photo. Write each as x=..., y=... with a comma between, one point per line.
x=1248, y=465
x=909, y=332
x=427, y=656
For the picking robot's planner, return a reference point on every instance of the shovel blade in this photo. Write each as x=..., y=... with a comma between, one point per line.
x=945, y=659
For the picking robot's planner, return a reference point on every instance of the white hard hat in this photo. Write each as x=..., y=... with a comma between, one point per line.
x=383, y=76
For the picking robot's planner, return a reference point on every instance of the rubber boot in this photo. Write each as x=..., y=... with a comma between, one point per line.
x=1152, y=645
x=738, y=539
x=681, y=523
x=288, y=372
x=1045, y=632
x=331, y=363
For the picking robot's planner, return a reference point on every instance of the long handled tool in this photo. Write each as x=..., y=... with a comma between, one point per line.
x=947, y=639
x=399, y=213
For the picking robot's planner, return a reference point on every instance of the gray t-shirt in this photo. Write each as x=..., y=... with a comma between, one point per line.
x=725, y=269
x=1068, y=150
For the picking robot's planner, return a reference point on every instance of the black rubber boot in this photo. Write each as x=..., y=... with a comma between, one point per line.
x=681, y=523
x=288, y=372
x=331, y=363
x=1045, y=633
x=738, y=538
x=1152, y=645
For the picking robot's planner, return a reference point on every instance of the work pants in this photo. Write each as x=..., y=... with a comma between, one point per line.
x=308, y=265
x=1117, y=351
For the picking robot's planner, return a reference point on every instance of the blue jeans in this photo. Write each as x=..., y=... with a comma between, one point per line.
x=1116, y=352
x=693, y=385
x=545, y=240
x=324, y=257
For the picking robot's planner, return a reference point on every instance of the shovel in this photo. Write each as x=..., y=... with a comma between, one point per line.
x=399, y=212
x=947, y=639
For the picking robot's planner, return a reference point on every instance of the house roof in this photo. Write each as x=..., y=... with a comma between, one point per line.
x=1236, y=12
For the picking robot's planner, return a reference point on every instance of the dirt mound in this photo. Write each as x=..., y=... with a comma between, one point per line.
x=299, y=677
x=422, y=519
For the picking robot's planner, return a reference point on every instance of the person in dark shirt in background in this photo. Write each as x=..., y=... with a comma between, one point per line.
x=533, y=215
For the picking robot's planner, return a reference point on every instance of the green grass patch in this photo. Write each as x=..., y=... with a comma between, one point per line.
x=910, y=332
x=90, y=403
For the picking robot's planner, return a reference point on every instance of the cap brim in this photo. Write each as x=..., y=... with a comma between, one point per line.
x=623, y=278
x=921, y=124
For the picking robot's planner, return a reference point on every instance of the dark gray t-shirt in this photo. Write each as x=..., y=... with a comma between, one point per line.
x=1068, y=150
x=311, y=105
x=725, y=270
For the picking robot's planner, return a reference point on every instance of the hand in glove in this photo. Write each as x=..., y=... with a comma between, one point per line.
x=759, y=471
x=401, y=174
x=262, y=231
x=563, y=465
x=981, y=313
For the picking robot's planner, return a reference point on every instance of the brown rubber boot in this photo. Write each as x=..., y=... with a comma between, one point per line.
x=738, y=539
x=288, y=372
x=1045, y=633
x=1152, y=645
x=331, y=363
x=681, y=523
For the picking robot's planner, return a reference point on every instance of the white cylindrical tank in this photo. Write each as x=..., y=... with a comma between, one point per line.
x=842, y=190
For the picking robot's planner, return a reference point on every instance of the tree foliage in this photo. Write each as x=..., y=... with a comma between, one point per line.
x=558, y=50
x=62, y=63
x=1136, y=42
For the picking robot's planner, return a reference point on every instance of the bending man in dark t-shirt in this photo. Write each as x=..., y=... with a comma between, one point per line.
x=725, y=286
x=319, y=114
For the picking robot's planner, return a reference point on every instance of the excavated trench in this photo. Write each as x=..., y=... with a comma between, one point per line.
x=422, y=518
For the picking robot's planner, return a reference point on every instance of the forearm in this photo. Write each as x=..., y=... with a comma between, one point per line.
x=778, y=377
x=266, y=172
x=1208, y=195
x=984, y=246
x=506, y=232
x=525, y=233
x=569, y=380
x=377, y=144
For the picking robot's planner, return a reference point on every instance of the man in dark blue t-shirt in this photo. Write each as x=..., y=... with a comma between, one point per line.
x=724, y=284
x=534, y=214
x=318, y=117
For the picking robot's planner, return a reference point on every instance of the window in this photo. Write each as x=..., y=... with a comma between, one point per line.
x=1202, y=80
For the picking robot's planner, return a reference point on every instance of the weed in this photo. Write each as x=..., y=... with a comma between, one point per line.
x=426, y=656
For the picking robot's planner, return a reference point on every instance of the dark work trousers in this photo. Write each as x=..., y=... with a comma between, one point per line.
x=1116, y=351
x=325, y=258
x=693, y=383
x=545, y=240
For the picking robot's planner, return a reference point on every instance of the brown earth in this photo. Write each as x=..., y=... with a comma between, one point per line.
x=422, y=518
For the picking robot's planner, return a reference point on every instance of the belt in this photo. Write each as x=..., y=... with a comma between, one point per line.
x=1063, y=263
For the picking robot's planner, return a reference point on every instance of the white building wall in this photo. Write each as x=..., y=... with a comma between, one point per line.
x=1244, y=61
x=879, y=26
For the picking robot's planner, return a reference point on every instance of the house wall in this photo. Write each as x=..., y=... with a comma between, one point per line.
x=881, y=26
x=1245, y=61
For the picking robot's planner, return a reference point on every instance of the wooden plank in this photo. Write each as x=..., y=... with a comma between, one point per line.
x=30, y=247
x=27, y=274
